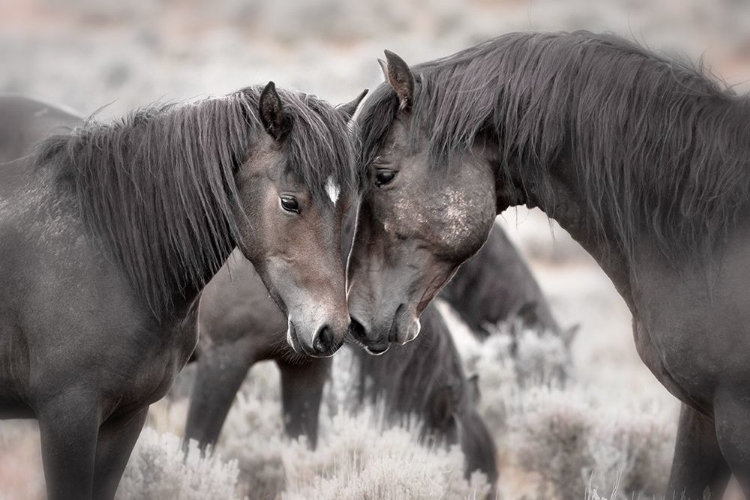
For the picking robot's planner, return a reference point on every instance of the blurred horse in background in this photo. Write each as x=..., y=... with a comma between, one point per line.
x=25, y=121
x=495, y=285
x=109, y=232
x=239, y=326
x=426, y=378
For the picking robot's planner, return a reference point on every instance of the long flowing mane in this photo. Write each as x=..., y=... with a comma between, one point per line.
x=660, y=146
x=158, y=188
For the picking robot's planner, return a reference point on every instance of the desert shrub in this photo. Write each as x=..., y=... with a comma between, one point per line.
x=253, y=434
x=547, y=431
x=358, y=456
x=364, y=458
x=254, y=437
x=573, y=437
x=509, y=360
x=159, y=470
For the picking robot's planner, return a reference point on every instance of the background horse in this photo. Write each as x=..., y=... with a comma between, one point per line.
x=642, y=159
x=495, y=285
x=108, y=234
x=25, y=121
x=240, y=326
x=426, y=378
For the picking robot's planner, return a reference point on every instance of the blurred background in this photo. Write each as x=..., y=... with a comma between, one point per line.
x=114, y=56
x=88, y=53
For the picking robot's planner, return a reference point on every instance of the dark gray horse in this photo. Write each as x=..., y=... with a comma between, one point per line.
x=240, y=326
x=645, y=161
x=108, y=234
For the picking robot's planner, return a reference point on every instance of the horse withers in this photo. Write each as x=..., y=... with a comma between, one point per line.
x=567, y=122
x=108, y=234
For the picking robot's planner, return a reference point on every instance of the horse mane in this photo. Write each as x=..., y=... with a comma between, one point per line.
x=659, y=145
x=157, y=187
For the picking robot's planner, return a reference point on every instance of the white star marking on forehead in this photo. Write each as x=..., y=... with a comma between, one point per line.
x=333, y=191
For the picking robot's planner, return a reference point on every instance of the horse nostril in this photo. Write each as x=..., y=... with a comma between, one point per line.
x=357, y=330
x=324, y=341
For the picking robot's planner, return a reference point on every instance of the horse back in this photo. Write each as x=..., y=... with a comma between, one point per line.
x=24, y=121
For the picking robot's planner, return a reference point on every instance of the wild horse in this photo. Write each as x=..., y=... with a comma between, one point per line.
x=644, y=160
x=108, y=234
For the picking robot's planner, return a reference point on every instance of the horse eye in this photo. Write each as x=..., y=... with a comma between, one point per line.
x=289, y=204
x=383, y=177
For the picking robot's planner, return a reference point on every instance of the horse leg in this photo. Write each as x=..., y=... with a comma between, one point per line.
x=218, y=377
x=301, y=394
x=116, y=440
x=698, y=463
x=68, y=427
x=733, y=431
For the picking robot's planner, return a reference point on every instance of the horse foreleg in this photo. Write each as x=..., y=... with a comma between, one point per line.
x=68, y=426
x=116, y=440
x=698, y=463
x=301, y=394
x=218, y=377
x=732, y=410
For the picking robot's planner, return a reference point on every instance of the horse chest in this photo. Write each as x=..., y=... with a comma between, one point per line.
x=174, y=356
x=692, y=337
x=158, y=364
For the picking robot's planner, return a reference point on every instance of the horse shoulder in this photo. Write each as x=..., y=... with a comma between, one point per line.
x=692, y=321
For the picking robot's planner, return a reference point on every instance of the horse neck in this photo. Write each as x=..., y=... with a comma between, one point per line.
x=205, y=261
x=564, y=201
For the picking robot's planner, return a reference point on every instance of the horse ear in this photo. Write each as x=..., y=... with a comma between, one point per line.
x=383, y=68
x=569, y=334
x=398, y=74
x=476, y=394
x=272, y=115
x=348, y=109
